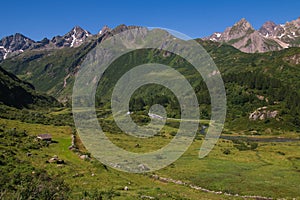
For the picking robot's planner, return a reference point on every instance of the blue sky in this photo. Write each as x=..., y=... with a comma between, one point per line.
x=43, y=18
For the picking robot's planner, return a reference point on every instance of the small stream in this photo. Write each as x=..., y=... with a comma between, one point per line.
x=259, y=139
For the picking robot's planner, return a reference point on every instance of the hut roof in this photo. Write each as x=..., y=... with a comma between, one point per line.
x=45, y=136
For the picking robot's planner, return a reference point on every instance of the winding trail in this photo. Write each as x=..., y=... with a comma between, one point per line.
x=178, y=182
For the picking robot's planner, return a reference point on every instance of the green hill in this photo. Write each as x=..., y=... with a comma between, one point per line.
x=17, y=93
x=252, y=81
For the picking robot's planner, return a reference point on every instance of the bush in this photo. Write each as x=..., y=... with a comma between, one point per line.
x=226, y=151
x=242, y=145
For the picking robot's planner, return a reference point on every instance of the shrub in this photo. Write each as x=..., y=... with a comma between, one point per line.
x=226, y=151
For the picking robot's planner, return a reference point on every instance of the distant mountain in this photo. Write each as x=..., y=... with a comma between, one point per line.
x=18, y=43
x=17, y=93
x=14, y=44
x=73, y=38
x=52, y=69
x=252, y=81
x=270, y=37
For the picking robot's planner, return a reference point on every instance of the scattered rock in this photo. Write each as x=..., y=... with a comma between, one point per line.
x=60, y=162
x=52, y=160
x=143, y=167
x=73, y=140
x=55, y=159
x=84, y=157
x=262, y=98
x=179, y=182
x=147, y=197
x=137, y=145
x=294, y=59
x=77, y=175
x=71, y=147
x=126, y=188
x=116, y=165
x=262, y=114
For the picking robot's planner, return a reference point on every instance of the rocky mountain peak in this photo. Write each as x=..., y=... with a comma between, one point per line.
x=296, y=21
x=75, y=37
x=267, y=29
x=239, y=30
x=242, y=26
x=120, y=28
x=104, y=30
x=79, y=32
x=243, y=23
x=16, y=43
x=270, y=37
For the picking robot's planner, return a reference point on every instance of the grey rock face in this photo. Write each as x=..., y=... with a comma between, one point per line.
x=270, y=37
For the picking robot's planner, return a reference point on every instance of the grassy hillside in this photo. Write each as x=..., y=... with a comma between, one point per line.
x=50, y=71
x=273, y=76
x=17, y=93
x=266, y=169
x=248, y=78
x=31, y=176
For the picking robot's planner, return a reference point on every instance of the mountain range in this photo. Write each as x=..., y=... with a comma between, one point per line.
x=256, y=157
x=270, y=37
x=252, y=80
x=18, y=43
x=51, y=66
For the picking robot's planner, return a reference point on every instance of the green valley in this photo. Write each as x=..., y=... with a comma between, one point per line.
x=256, y=157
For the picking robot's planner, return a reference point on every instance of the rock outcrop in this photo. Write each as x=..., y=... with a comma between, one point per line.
x=262, y=114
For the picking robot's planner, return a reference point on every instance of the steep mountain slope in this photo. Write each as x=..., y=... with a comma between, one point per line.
x=252, y=80
x=52, y=70
x=270, y=37
x=17, y=93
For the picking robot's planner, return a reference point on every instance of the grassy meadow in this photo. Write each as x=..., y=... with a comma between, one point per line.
x=268, y=169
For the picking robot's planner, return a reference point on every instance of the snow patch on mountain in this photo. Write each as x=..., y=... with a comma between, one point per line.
x=73, y=38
